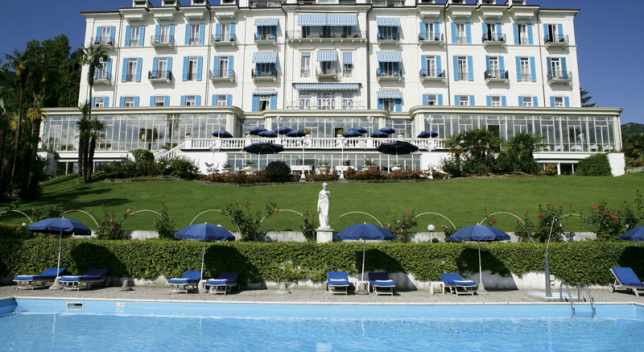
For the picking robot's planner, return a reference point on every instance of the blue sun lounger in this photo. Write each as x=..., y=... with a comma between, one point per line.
x=92, y=276
x=381, y=284
x=337, y=282
x=46, y=276
x=223, y=283
x=189, y=281
x=458, y=285
x=626, y=279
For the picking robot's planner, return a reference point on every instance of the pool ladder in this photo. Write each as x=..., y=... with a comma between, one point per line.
x=572, y=301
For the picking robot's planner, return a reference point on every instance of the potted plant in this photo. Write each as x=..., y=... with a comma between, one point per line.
x=226, y=169
x=323, y=166
x=307, y=131
x=339, y=132
x=368, y=163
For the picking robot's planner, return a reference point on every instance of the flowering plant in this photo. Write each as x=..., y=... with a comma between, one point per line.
x=308, y=226
x=401, y=226
x=164, y=225
x=109, y=227
x=246, y=220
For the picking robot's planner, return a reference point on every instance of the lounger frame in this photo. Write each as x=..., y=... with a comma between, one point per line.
x=184, y=287
x=78, y=285
x=30, y=283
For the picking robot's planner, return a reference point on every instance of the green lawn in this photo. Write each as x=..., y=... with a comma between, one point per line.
x=464, y=201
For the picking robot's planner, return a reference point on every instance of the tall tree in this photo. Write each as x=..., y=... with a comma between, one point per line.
x=586, y=98
x=84, y=127
x=36, y=115
x=19, y=63
x=93, y=57
x=96, y=134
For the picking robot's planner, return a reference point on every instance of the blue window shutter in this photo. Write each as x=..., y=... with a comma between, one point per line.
x=273, y=102
x=533, y=69
x=255, y=103
x=453, y=33
x=152, y=100
x=259, y=32
x=487, y=63
x=488, y=100
x=198, y=100
x=112, y=33
x=456, y=99
x=484, y=30
x=229, y=99
x=379, y=34
x=552, y=102
x=396, y=68
x=456, y=73
x=199, y=68
x=186, y=62
x=139, y=67
x=122, y=102
x=530, y=36
x=109, y=69
x=215, y=70
x=472, y=101
x=273, y=32
x=231, y=65
x=395, y=32
x=564, y=68
x=380, y=104
x=560, y=30
x=136, y=102
x=106, y=102
x=172, y=33
x=567, y=101
x=422, y=31
x=166, y=100
x=170, y=64
x=127, y=36
x=519, y=78
x=124, y=75
x=213, y=102
x=470, y=68
x=499, y=30
x=92, y=101
x=437, y=30
x=218, y=32
x=504, y=101
x=546, y=35
x=141, y=35
x=521, y=101
x=468, y=32
x=535, y=101
x=516, y=33
x=549, y=63
x=425, y=99
x=398, y=105
x=157, y=33
x=439, y=66
x=202, y=33
x=183, y=100
x=502, y=66
x=97, y=40
x=423, y=65
x=155, y=64
x=187, y=34
x=232, y=31
x=440, y=99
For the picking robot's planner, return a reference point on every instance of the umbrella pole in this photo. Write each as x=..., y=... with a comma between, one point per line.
x=364, y=250
x=60, y=245
x=360, y=287
x=203, y=257
x=481, y=290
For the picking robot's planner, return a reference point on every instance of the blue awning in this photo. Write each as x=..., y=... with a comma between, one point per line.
x=389, y=56
x=389, y=95
x=328, y=86
x=388, y=22
x=265, y=93
x=342, y=19
x=327, y=56
x=264, y=58
x=347, y=58
x=311, y=19
x=266, y=22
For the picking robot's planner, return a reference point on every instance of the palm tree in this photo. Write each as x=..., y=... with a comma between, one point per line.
x=36, y=115
x=93, y=56
x=84, y=126
x=95, y=134
x=4, y=126
x=18, y=61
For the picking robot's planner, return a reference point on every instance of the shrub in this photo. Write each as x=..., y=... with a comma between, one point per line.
x=594, y=165
x=183, y=168
x=308, y=226
x=119, y=169
x=247, y=221
x=401, y=227
x=278, y=171
x=109, y=227
x=164, y=225
x=144, y=162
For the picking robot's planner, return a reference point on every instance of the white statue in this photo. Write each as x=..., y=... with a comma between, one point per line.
x=323, y=207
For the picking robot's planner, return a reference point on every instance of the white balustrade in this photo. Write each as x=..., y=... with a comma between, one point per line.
x=297, y=143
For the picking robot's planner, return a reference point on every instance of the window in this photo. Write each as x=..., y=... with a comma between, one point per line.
x=129, y=102
x=99, y=102
x=525, y=69
x=431, y=66
x=106, y=36
x=162, y=67
x=264, y=102
x=495, y=71
x=431, y=33
x=223, y=66
x=222, y=100
x=266, y=32
x=347, y=100
x=326, y=101
x=347, y=65
x=555, y=68
x=558, y=102
x=553, y=33
x=193, y=64
x=191, y=100
x=159, y=100
x=389, y=104
x=305, y=101
x=194, y=34
x=463, y=100
x=389, y=69
x=495, y=100
x=135, y=34
x=491, y=32
x=388, y=32
x=461, y=35
x=102, y=73
x=432, y=99
x=523, y=36
x=527, y=102
x=305, y=64
x=327, y=67
x=132, y=69
x=165, y=34
x=462, y=68
x=265, y=69
x=224, y=31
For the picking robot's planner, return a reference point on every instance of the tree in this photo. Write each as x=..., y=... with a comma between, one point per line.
x=36, y=115
x=93, y=56
x=585, y=99
x=18, y=62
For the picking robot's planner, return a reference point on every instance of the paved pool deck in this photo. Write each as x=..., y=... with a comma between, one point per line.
x=309, y=296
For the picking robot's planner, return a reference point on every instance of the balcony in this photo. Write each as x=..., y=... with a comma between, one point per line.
x=388, y=3
x=497, y=76
x=265, y=39
x=160, y=76
x=163, y=41
x=106, y=42
x=264, y=76
x=391, y=40
x=385, y=75
x=103, y=78
x=495, y=41
x=326, y=36
x=326, y=75
x=222, y=76
x=327, y=104
x=432, y=39
x=224, y=41
x=560, y=77
x=265, y=4
x=433, y=76
x=556, y=43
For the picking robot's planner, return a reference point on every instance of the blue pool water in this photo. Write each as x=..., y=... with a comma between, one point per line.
x=52, y=325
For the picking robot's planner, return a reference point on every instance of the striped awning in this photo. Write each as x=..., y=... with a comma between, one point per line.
x=265, y=93
x=342, y=19
x=388, y=22
x=328, y=86
x=347, y=58
x=264, y=58
x=389, y=95
x=311, y=19
x=266, y=22
x=306, y=54
x=327, y=56
x=389, y=56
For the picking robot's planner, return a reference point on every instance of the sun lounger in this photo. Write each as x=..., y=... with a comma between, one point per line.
x=337, y=282
x=457, y=285
x=381, y=284
x=189, y=281
x=626, y=279
x=46, y=276
x=92, y=276
x=223, y=283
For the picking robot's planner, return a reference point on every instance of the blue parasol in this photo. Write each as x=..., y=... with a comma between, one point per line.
x=267, y=134
x=635, y=234
x=379, y=134
x=352, y=133
x=428, y=134
x=255, y=131
x=359, y=129
x=387, y=130
x=284, y=130
x=222, y=134
x=206, y=233
x=296, y=133
x=364, y=232
x=264, y=148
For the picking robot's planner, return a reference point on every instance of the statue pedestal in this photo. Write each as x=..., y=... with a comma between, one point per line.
x=324, y=235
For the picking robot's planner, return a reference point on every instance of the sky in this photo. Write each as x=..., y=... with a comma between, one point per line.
x=610, y=39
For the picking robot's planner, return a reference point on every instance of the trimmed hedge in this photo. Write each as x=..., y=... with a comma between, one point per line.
x=594, y=165
x=588, y=261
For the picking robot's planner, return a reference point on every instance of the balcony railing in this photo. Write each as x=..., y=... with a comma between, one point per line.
x=380, y=73
x=560, y=77
x=388, y=39
x=265, y=4
x=496, y=76
x=160, y=76
x=264, y=75
x=162, y=41
x=326, y=74
x=556, y=42
x=327, y=104
x=193, y=41
x=224, y=40
x=106, y=41
x=103, y=77
x=431, y=39
x=494, y=40
x=130, y=77
x=265, y=38
x=224, y=75
x=432, y=75
x=388, y=3
x=335, y=33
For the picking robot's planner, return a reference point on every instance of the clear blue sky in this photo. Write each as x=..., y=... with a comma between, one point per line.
x=610, y=36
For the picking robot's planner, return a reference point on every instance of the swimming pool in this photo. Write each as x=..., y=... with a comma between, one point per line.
x=105, y=325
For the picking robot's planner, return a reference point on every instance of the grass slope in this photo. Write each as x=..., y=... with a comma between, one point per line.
x=464, y=201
